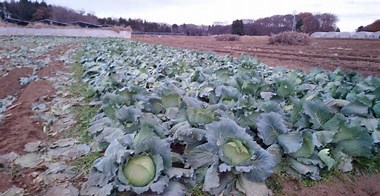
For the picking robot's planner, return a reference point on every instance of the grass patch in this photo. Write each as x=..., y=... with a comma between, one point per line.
x=83, y=112
x=197, y=191
x=307, y=182
x=83, y=115
x=274, y=183
x=83, y=164
x=367, y=165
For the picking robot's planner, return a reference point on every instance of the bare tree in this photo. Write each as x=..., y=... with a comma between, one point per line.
x=327, y=22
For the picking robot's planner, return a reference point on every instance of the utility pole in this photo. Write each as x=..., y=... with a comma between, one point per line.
x=4, y=11
x=294, y=21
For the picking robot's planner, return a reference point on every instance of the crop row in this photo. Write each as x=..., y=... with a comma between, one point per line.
x=174, y=119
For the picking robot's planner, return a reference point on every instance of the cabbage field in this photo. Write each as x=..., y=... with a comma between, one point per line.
x=175, y=120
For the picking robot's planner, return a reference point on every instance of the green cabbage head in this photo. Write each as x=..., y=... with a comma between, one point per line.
x=236, y=152
x=140, y=170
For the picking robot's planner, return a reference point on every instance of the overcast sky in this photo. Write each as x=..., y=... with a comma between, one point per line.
x=351, y=13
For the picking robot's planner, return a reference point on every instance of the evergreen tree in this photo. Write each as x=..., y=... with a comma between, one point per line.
x=238, y=27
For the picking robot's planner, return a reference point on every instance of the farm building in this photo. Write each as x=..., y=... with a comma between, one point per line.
x=347, y=35
x=53, y=22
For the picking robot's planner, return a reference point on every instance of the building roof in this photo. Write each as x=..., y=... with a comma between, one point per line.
x=86, y=24
x=16, y=21
x=53, y=22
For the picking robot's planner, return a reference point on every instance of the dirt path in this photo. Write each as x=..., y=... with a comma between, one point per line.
x=20, y=127
x=359, y=55
x=347, y=185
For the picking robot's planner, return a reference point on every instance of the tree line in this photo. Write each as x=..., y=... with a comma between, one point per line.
x=373, y=27
x=303, y=22
x=35, y=11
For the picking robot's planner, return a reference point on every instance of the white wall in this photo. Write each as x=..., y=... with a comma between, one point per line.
x=64, y=32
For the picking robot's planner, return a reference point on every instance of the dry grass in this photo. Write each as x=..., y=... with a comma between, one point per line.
x=118, y=28
x=5, y=24
x=39, y=25
x=227, y=37
x=290, y=38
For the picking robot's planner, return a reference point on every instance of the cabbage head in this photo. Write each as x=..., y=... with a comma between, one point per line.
x=230, y=155
x=136, y=163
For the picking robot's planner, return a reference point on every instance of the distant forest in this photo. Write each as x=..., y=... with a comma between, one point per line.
x=304, y=22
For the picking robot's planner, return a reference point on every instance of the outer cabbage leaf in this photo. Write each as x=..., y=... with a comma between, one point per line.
x=170, y=95
x=376, y=109
x=272, y=106
x=270, y=126
x=175, y=189
x=189, y=133
x=128, y=114
x=227, y=93
x=376, y=136
x=296, y=110
x=200, y=116
x=291, y=141
x=370, y=123
x=355, y=108
x=308, y=170
x=250, y=188
x=176, y=172
x=322, y=138
x=354, y=141
x=267, y=95
x=154, y=105
x=324, y=155
x=211, y=178
x=129, y=117
x=111, y=102
x=336, y=103
x=195, y=112
x=285, y=87
x=312, y=160
x=307, y=148
x=344, y=160
x=334, y=123
x=247, y=85
x=223, y=74
x=201, y=156
x=318, y=112
x=262, y=166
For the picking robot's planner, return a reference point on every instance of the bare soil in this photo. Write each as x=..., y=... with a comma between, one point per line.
x=19, y=128
x=348, y=185
x=5, y=182
x=359, y=55
x=10, y=84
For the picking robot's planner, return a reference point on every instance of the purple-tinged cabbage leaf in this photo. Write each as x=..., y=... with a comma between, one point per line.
x=270, y=126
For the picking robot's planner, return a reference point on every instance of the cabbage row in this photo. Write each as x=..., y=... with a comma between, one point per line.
x=172, y=119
